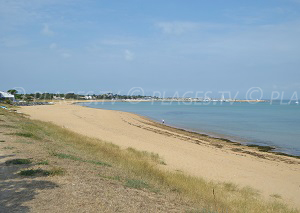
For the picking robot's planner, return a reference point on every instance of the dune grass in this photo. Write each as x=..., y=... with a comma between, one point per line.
x=22, y=134
x=147, y=169
x=74, y=158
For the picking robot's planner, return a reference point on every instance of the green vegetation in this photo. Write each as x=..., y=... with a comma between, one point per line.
x=22, y=134
x=72, y=96
x=7, y=101
x=230, y=187
x=7, y=126
x=137, y=184
x=24, y=141
x=12, y=91
x=18, y=161
x=1, y=141
x=71, y=157
x=42, y=172
x=56, y=171
x=32, y=172
x=98, y=163
x=143, y=170
x=8, y=147
x=66, y=156
x=117, y=177
x=151, y=156
x=45, y=162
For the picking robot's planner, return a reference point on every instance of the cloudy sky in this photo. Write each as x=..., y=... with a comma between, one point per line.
x=167, y=46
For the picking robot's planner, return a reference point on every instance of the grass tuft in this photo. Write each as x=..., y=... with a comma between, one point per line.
x=137, y=184
x=42, y=172
x=66, y=156
x=8, y=126
x=18, y=161
x=98, y=163
x=57, y=171
x=45, y=162
x=8, y=147
x=72, y=157
x=23, y=134
x=277, y=196
x=146, y=155
x=33, y=172
x=117, y=177
x=230, y=186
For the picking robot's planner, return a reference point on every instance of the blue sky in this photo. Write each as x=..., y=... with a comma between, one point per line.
x=170, y=45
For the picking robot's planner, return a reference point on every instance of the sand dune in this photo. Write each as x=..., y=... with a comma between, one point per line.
x=268, y=173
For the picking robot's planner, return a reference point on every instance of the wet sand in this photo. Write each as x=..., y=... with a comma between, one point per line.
x=183, y=151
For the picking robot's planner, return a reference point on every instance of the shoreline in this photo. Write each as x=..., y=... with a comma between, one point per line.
x=224, y=141
x=261, y=148
x=216, y=136
x=183, y=151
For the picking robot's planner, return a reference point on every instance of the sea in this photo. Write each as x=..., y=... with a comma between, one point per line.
x=275, y=124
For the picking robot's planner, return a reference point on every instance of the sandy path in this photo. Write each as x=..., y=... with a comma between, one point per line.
x=270, y=177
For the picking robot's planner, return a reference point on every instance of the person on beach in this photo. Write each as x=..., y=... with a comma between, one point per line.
x=163, y=121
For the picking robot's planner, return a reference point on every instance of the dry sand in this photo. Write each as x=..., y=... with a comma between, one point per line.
x=270, y=174
x=84, y=186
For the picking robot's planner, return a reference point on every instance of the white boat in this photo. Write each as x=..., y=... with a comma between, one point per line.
x=296, y=102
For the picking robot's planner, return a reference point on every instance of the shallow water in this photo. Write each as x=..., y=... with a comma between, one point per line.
x=269, y=124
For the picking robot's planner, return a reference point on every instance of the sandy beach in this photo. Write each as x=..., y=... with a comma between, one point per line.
x=182, y=151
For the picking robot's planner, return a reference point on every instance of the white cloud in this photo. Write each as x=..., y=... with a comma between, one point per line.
x=47, y=31
x=53, y=46
x=129, y=56
x=66, y=55
x=177, y=27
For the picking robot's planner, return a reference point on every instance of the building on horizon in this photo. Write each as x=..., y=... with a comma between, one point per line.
x=6, y=96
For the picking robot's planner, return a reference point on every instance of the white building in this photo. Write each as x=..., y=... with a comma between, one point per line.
x=58, y=98
x=88, y=97
x=6, y=95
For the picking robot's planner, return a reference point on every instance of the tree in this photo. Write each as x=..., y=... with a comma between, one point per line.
x=12, y=91
x=7, y=101
x=37, y=95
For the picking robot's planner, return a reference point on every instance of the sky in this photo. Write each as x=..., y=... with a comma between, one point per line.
x=169, y=46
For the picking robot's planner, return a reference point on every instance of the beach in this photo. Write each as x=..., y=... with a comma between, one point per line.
x=182, y=151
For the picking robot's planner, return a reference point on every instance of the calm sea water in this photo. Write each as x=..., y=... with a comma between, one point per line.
x=260, y=123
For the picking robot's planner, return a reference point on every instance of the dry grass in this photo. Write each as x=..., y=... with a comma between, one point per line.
x=146, y=167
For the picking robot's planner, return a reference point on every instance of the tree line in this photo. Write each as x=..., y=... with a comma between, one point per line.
x=74, y=96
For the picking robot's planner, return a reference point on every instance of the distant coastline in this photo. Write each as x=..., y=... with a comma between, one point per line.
x=171, y=100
